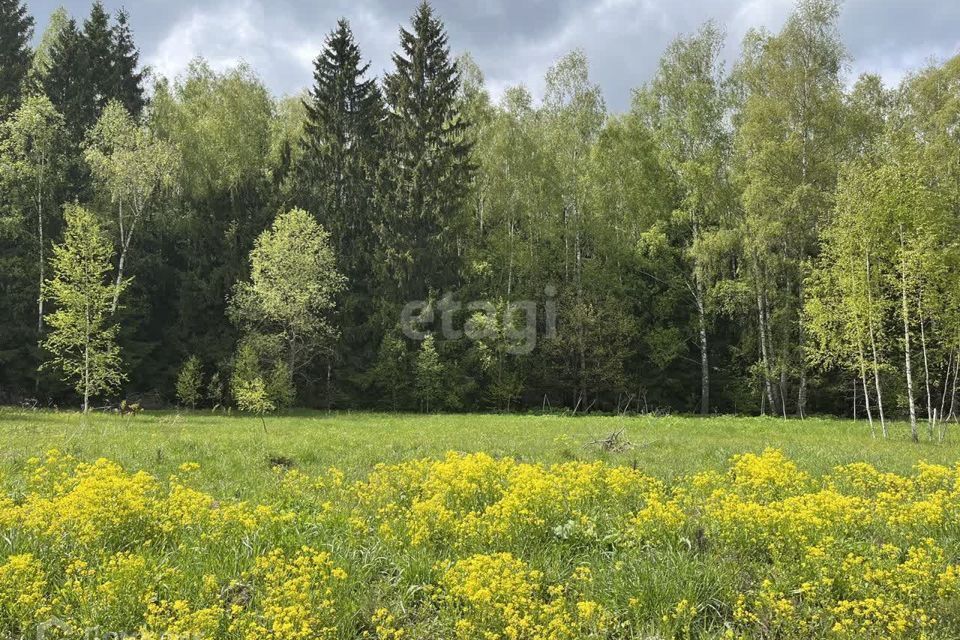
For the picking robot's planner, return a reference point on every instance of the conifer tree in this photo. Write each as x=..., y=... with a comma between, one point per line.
x=339, y=151
x=89, y=67
x=68, y=82
x=343, y=111
x=51, y=35
x=427, y=171
x=16, y=29
x=98, y=42
x=126, y=84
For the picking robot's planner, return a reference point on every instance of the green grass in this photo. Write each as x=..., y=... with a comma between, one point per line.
x=234, y=451
x=640, y=582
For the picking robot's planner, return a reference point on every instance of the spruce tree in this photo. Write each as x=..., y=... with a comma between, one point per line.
x=343, y=113
x=16, y=29
x=90, y=67
x=68, y=82
x=427, y=171
x=98, y=41
x=126, y=84
x=337, y=174
x=40, y=64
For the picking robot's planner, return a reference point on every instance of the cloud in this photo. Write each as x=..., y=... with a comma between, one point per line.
x=513, y=41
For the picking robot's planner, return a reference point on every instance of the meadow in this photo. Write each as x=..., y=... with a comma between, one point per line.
x=317, y=525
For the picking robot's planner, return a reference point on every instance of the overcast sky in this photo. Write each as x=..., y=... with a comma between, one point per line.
x=514, y=41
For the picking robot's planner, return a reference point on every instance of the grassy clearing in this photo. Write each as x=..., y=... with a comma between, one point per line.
x=702, y=530
x=233, y=451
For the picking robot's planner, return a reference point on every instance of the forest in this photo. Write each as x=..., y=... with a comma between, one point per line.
x=766, y=236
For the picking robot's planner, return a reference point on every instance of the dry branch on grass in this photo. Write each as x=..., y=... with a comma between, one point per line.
x=616, y=442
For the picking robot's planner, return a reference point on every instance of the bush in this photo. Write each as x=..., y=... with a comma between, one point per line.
x=190, y=382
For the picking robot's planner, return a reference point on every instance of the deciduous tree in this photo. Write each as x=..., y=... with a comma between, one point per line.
x=82, y=339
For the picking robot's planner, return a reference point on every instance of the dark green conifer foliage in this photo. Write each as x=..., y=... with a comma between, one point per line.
x=427, y=169
x=98, y=40
x=127, y=80
x=343, y=114
x=16, y=29
x=341, y=137
x=91, y=67
x=68, y=83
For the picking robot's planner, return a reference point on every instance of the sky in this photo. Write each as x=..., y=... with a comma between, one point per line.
x=513, y=41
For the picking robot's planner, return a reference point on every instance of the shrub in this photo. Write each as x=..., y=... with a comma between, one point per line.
x=190, y=383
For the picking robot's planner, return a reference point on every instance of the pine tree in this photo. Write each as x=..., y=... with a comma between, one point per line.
x=427, y=172
x=127, y=82
x=16, y=30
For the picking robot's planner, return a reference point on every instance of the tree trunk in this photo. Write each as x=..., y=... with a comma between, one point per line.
x=39, y=201
x=873, y=349
x=866, y=389
x=125, y=237
x=86, y=363
x=764, y=353
x=42, y=260
x=931, y=417
x=802, y=394
x=704, y=353
x=783, y=387
x=854, y=399
x=906, y=340
x=953, y=390
x=945, y=386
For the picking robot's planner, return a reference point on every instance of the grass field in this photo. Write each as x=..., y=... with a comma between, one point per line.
x=475, y=526
x=234, y=451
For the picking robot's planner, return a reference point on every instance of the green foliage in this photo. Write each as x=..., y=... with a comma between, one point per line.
x=788, y=141
x=83, y=70
x=32, y=175
x=190, y=382
x=16, y=30
x=391, y=373
x=221, y=123
x=132, y=165
x=42, y=60
x=280, y=387
x=292, y=287
x=252, y=396
x=426, y=169
x=82, y=339
x=431, y=376
x=247, y=385
x=129, y=161
x=339, y=154
x=744, y=241
x=215, y=392
x=127, y=79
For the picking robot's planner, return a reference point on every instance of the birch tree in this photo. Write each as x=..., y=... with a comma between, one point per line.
x=686, y=107
x=32, y=151
x=133, y=166
x=82, y=341
x=292, y=288
x=788, y=141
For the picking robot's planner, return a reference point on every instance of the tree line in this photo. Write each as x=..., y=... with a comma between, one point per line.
x=761, y=237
